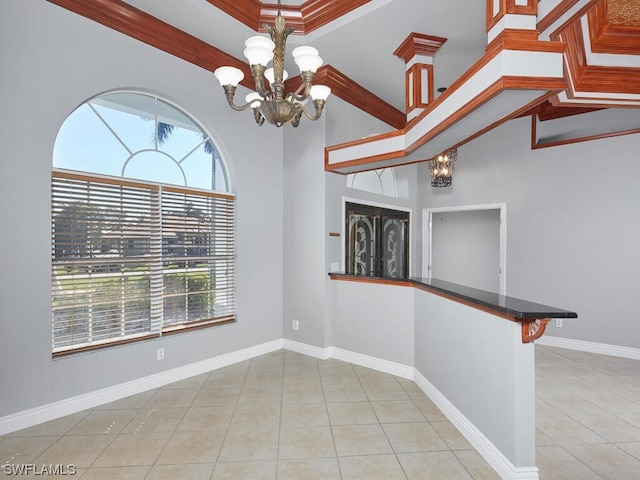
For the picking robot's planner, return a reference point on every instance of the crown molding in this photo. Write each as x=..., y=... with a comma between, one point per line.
x=305, y=18
x=419, y=44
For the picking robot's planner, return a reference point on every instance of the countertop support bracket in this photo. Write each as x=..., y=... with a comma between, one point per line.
x=533, y=328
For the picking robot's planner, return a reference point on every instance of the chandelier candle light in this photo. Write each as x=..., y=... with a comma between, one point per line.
x=442, y=167
x=273, y=105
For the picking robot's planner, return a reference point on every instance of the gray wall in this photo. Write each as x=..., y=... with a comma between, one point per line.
x=374, y=320
x=305, y=274
x=478, y=362
x=465, y=248
x=572, y=224
x=53, y=60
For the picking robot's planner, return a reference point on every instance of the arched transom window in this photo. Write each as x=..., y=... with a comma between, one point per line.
x=381, y=181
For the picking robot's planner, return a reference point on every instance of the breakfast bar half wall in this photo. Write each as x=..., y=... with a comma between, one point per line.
x=472, y=352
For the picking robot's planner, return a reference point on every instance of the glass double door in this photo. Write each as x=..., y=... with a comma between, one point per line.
x=377, y=241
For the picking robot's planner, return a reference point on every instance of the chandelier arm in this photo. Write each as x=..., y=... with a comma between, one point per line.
x=258, y=76
x=307, y=82
x=258, y=116
x=230, y=92
x=319, y=106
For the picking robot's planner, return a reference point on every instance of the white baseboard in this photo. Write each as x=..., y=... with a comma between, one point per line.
x=591, y=347
x=385, y=366
x=305, y=349
x=51, y=411
x=481, y=443
x=44, y=413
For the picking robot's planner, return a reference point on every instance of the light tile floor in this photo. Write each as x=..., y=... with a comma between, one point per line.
x=287, y=416
x=587, y=416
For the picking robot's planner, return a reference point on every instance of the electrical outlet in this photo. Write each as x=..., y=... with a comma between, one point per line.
x=559, y=322
x=295, y=325
x=160, y=353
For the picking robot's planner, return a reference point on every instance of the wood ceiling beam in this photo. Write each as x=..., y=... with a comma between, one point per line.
x=355, y=94
x=135, y=23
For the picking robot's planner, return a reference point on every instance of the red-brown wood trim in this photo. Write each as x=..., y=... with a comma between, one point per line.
x=124, y=18
x=409, y=89
x=492, y=19
x=361, y=161
x=571, y=21
x=617, y=40
x=137, y=24
x=113, y=343
x=355, y=94
x=338, y=167
x=575, y=56
x=429, y=86
x=508, y=7
x=378, y=281
x=525, y=40
x=608, y=79
x=551, y=84
x=291, y=13
x=318, y=13
x=595, y=78
x=185, y=327
x=415, y=89
x=531, y=328
x=245, y=11
x=419, y=44
x=363, y=141
x=606, y=38
x=505, y=83
x=515, y=114
x=467, y=303
x=592, y=102
x=597, y=20
x=549, y=111
x=531, y=8
x=364, y=160
x=305, y=18
x=557, y=12
x=535, y=145
x=534, y=131
x=497, y=48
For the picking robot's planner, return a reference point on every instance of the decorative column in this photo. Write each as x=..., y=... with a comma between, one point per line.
x=417, y=51
x=508, y=17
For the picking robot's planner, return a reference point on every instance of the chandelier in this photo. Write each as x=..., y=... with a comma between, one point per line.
x=441, y=168
x=272, y=104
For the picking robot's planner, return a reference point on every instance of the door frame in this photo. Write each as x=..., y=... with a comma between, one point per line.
x=427, y=227
x=369, y=203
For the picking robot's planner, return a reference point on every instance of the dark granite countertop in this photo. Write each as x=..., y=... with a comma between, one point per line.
x=516, y=307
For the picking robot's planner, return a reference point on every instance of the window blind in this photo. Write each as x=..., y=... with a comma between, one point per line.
x=134, y=260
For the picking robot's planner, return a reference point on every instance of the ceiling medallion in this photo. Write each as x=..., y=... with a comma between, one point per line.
x=272, y=104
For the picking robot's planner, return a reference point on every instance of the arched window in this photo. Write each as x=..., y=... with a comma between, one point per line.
x=382, y=182
x=142, y=225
